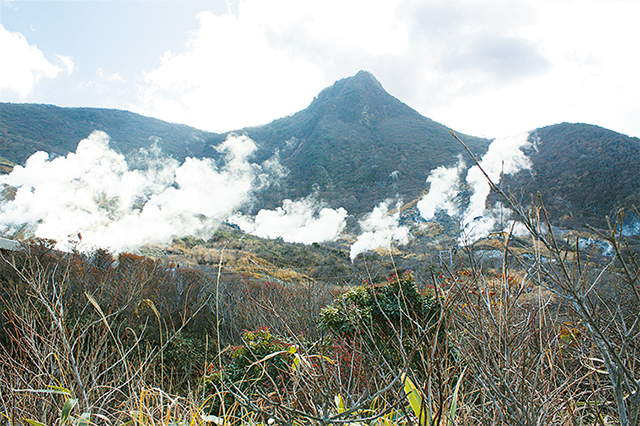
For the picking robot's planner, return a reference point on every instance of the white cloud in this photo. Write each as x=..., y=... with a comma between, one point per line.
x=542, y=62
x=228, y=78
x=268, y=60
x=380, y=229
x=109, y=78
x=303, y=221
x=67, y=61
x=483, y=67
x=22, y=65
x=93, y=191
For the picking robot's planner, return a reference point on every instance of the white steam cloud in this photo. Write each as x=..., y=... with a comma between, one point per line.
x=93, y=192
x=504, y=157
x=380, y=229
x=443, y=188
x=303, y=221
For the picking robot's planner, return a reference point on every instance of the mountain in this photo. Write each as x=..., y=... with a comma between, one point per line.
x=355, y=145
x=582, y=172
x=27, y=128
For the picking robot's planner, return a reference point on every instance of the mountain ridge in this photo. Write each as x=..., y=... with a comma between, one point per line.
x=355, y=146
x=363, y=145
x=582, y=172
x=27, y=128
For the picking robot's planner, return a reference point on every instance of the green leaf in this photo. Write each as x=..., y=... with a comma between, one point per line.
x=413, y=395
x=66, y=409
x=84, y=419
x=60, y=390
x=339, y=403
x=296, y=362
x=454, y=403
x=34, y=423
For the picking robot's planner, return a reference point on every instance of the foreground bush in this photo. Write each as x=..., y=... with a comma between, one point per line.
x=130, y=340
x=380, y=340
x=393, y=319
x=256, y=370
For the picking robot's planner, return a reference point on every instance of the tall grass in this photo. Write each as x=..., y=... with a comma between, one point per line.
x=130, y=340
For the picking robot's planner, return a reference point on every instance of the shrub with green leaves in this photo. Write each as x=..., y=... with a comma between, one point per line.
x=392, y=318
x=262, y=360
x=260, y=366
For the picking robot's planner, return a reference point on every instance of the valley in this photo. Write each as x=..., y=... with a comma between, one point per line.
x=311, y=270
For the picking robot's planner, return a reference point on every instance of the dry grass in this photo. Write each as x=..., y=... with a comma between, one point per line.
x=129, y=340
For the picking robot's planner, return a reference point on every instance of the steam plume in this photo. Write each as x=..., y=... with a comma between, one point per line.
x=303, y=221
x=504, y=157
x=444, y=185
x=380, y=229
x=93, y=192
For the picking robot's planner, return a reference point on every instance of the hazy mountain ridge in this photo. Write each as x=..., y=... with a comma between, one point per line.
x=27, y=128
x=356, y=146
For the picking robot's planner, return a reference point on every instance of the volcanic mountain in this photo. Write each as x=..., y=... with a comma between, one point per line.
x=582, y=173
x=355, y=146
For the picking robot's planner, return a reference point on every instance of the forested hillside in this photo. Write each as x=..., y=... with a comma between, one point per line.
x=582, y=172
x=27, y=128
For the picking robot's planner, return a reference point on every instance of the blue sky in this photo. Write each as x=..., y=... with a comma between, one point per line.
x=484, y=67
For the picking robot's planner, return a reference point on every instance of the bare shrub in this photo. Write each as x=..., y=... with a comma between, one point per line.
x=88, y=328
x=604, y=298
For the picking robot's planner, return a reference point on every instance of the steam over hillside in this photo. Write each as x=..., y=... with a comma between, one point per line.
x=94, y=197
x=341, y=169
x=93, y=193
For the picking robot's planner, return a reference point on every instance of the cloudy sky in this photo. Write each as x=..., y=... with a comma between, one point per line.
x=487, y=68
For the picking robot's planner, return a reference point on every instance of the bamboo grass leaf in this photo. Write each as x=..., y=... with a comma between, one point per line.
x=84, y=420
x=66, y=409
x=59, y=390
x=413, y=395
x=339, y=403
x=454, y=403
x=95, y=304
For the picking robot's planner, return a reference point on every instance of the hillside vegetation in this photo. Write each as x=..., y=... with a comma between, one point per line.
x=583, y=173
x=27, y=128
x=242, y=331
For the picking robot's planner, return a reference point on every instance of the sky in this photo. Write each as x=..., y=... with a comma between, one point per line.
x=485, y=68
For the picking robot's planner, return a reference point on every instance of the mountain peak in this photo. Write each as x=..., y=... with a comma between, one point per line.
x=362, y=81
x=356, y=145
x=352, y=98
x=365, y=77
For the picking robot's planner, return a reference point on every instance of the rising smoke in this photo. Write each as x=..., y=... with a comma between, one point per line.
x=477, y=220
x=380, y=229
x=444, y=186
x=95, y=194
x=303, y=221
